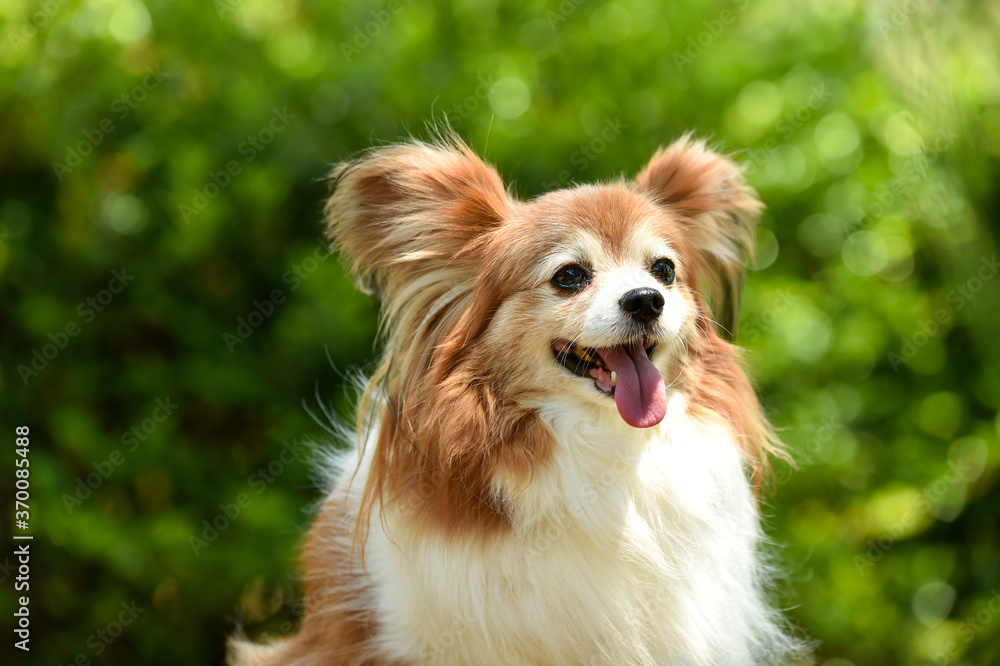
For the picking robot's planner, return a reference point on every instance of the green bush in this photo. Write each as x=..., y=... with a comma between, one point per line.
x=171, y=322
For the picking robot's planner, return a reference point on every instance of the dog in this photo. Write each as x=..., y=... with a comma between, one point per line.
x=557, y=457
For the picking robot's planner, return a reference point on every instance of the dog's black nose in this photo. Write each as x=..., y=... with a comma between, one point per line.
x=644, y=304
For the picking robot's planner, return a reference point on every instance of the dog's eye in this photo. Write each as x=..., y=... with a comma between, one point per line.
x=571, y=277
x=663, y=270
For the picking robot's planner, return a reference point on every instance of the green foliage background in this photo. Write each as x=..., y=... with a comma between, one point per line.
x=871, y=130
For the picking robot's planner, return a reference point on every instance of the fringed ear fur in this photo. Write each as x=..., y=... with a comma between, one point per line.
x=406, y=209
x=709, y=190
x=410, y=221
x=413, y=222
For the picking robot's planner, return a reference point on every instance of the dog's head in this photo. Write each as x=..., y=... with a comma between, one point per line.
x=590, y=295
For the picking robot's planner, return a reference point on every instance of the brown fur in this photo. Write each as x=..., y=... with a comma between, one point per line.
x=336, y=628
x=430, y=229
x=718, y=213
x=401, y=214
x=719, y=388
x=709, y=192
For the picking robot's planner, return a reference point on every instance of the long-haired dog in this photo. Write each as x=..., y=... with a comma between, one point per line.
x=558, y=453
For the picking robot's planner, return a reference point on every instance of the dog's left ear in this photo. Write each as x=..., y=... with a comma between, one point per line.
x=722, y=212
x=404, y=211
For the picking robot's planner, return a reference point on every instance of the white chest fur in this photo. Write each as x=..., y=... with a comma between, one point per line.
x=629, y=547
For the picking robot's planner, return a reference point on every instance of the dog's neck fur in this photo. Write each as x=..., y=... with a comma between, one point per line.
x=627, y=547
x=631, y=546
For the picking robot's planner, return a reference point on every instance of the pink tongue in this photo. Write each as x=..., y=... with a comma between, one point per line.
x=640, y=394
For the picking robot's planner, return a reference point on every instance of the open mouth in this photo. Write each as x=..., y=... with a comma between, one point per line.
x=587, y=362
x=623, y=372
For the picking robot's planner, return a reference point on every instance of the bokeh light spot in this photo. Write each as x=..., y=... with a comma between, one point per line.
x=865, y=253
x=130, y=22
x=510, y=97
x=836, y=136
x=610, y=24
x=124, y=213
x=759, y=102
x=932, y=602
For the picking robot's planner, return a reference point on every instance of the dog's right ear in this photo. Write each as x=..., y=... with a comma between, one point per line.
x=410, y=211
x=710, y=192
